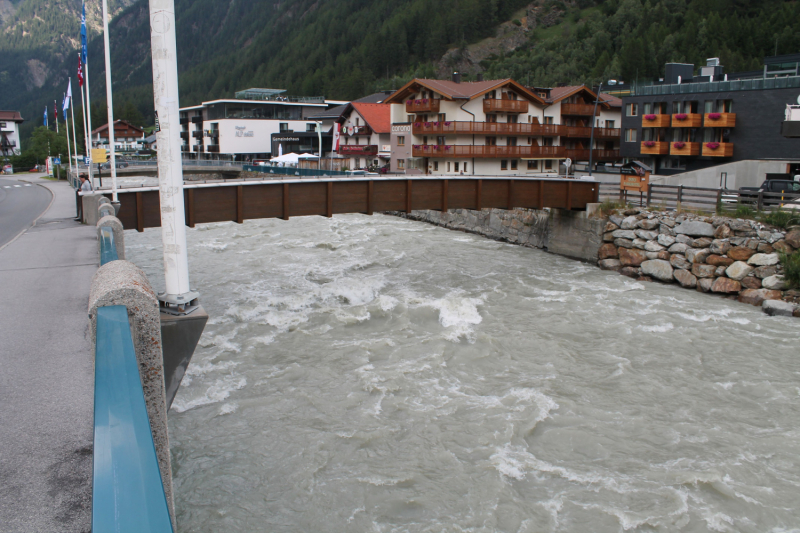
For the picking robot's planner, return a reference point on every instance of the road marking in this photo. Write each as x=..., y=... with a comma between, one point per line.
x=17, y=185
x=28, y=185
x=6, y=186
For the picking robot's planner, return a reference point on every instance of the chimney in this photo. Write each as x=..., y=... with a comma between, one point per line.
x=480, y=76
x=456, y=77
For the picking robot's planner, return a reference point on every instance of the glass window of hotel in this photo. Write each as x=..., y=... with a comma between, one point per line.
x=610, y=124
x=436, y=165
x=677, y=107
x=465, y=166
x=710, y=135
x=283, y=126
x=660, y=108
x=311, y=127
x=647, y=108
x=533, y=164
x=513, y=164
x=409, y=118
x=491, y=117
x=442, y=117
x=401, y=164
x=548, y=120
x=648, y=134
x=632, y=110
x=548, y=164
x=401, y=140
x=455, y=166
x=503, y=164
x=708, y=106
x=448, y=166
x=512, y=119
x=630, y=135
x=726, y=106
x=547, y=141
x=441, y=140
x=512, y=141
x=491, y=141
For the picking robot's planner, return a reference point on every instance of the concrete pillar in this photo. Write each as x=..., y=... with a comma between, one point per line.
x=123, y=283
x=90, y=203
x=105, y=209
x=114, y=223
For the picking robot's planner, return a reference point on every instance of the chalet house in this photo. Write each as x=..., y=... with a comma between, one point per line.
x=499, y=127
x=9, y=132
x=127, y=137
x=365, y=131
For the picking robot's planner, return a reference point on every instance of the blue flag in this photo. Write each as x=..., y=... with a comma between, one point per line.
x=83, y=33
x=45, y=116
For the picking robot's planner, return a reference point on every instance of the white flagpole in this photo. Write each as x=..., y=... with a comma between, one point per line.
x=74, y=138
x=66, y=120
x=110, y=105
x=86, y=140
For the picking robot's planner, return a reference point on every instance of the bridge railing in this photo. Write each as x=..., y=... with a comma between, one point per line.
x=291, y=171
x=108, y=248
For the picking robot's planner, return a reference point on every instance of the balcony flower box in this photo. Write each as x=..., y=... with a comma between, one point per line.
x=714, y=116
x=650, y=117
x=427, y=124
x=417, y=124
x=436, y=124
x=681, y=116
x=446, y=148
x=712, y=145
x=447, y=123
x=680, y=145
x=649, y=144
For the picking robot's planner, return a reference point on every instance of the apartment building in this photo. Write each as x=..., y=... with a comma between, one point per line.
x=9, y=132
x=499, y=127
x=697, y=121
x=364, y=135
x=127, y=137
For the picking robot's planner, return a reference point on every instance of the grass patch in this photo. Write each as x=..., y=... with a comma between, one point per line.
x=791, y=268
x=609, y=207
x=782, y=219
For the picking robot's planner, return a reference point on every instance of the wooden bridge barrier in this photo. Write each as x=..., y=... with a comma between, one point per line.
x=242, y=200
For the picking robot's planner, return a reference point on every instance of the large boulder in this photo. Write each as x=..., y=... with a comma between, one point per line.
x=778, y=308
x=695, y=229
x=623, y=243
x=685, y=278
x=639, y=243
x=765, y=248
x=624, y=234
x=629, y=222
x=726, y=286
x=758, y=296
x=738, y=270
x=631, y=257
x=658, y=269
x=702, y=242
x=649, y=223
x=607, y=251
x=740, y=225
x=666, y=240
x=608, y=237
x=646, y=235
x=609, y=264
x=678, y=248
x=685, y=239
x=765, y=271
x=631, y=272
x=679, y=261
x=704, y=285
x=719, y=246
x=703, y=271
x=776, y=283
x=697, y=255
x=722, y=232
x=653, y=246
x=740, y=253
x=783, y=246
x=763, y=260
x=718, y=260
x=615, y=219
x=751, y=282
x=793, y=238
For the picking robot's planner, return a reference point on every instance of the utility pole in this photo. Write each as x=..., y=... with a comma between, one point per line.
x=178, y=298
x=591, y=136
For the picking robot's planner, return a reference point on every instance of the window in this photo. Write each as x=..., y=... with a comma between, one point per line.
x=401, y=164
x=491, y=141
x=632, y=110
x=311, y=127
x=630, y=135
x=436, y=166
x=455, y=166
x=648, y=134
x=442, y=117
x=548, y=164
x=677, y=107
x=441, y=141
x=513, y=164
x=401, y=140
x=465, y=166
x=358, y=122
x=503, y=164
x=610, y=123
x=548, y=120
x=533, y=164
x=547, y=141
x=448, y=166
x=491, y=118
x=409, y=118
x=283, y=126
x=424, y=139
x=647, y=108
x=512, y=119
x=708, y=106
x=512, y=141
x=727, y=106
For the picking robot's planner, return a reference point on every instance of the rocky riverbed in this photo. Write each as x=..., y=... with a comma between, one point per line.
x=727, y=256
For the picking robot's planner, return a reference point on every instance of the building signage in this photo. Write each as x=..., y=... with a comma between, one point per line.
x=286, y=139
x=401, y=128
x=241, y=131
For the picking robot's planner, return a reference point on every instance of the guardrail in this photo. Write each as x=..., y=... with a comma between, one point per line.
x=127, y=493
x=292, y=171
x=108, y=249
x=671, y=196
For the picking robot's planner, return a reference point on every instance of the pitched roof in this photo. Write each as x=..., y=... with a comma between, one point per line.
x=611, y=100
x=465, y=90
x=105, y=126
x=377, y=116
x=559, y=93
x=13, y=116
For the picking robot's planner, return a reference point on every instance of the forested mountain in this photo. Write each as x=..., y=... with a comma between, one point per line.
x=347, y=48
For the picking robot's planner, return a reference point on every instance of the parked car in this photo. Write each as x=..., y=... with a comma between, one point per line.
x=788, y=189
x=120, y=164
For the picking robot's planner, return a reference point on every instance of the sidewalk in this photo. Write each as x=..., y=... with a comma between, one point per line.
x=46, y=372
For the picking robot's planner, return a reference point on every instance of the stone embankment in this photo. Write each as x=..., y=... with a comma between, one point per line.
x=734, y=257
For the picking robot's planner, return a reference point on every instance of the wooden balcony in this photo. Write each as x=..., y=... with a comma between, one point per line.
x=685, y=149
x=425, y=105
x=718, y=149
x=687, y=120
x=505, y=106
x=719, y=120
x=504, y=128
x=657, y=148
x=358, y=149
x=656, y=121
x=582, y=154
x=483, y=151
x=584, y=110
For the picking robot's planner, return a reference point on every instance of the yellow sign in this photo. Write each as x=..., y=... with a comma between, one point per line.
x=99, y=155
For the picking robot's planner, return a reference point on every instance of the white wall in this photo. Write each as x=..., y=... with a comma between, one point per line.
x=247, y=136
x=11, y=131
x=750, y=173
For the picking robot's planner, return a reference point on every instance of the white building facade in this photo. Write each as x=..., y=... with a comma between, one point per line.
x=9, y=133
x=365, y=135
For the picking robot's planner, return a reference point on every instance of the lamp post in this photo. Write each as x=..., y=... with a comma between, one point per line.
x=591, y=136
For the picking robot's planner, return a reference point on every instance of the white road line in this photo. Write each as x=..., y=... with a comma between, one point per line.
x=17, y=185
x=28, y=185
x=6, y=186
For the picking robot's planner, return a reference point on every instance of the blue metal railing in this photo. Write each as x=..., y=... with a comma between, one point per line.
x=108, y=250
x=128, y=495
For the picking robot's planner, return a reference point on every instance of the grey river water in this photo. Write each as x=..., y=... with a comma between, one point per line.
x=373, y=374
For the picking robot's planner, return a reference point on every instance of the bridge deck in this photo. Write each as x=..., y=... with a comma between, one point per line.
x=241, y=200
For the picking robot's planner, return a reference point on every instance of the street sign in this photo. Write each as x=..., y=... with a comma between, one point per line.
x=56, y=160
x=87, y=160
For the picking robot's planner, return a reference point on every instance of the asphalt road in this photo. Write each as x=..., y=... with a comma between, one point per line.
x=20, y=204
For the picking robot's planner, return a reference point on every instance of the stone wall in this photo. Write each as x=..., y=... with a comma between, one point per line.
x=720, y=255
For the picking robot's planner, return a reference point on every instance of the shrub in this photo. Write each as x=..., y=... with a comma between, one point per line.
x=782, y=219
x=608, y=207
x=516, y=22
x=791, y=268
x=744, y=211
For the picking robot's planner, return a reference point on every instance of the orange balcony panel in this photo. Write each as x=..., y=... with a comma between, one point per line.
x=656, y=121
x=715, y=149
x=505, y=106
x=655, y=148
x=684, y=148
x=687, y=120
x=719, y=120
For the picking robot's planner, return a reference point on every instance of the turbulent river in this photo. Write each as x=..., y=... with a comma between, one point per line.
x=373, y=374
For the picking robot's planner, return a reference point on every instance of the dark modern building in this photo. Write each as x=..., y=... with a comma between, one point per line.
x=694, y=120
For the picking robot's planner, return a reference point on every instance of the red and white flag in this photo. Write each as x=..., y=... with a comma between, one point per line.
x=80, y=72
x=336, y=127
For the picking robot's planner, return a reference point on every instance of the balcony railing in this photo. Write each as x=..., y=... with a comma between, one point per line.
x=582, y=154
x=431, y=150
x=656, y=121
x=424, y=105
x=491, y=105
x=685, y=149
x=715, y=149
x=504, y=128
x=655, y=148
x=687, y=120
x=579, y=109
x=719, y=120
x=358, y=149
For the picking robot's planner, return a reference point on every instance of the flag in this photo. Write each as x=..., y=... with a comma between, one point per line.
x=55, y=110
x=80, y=72
x=83, y=33
x=67, y=99
x=336, y=136
x=45, y=116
